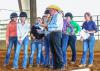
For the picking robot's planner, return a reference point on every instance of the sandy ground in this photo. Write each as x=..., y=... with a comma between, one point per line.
x=69, y=67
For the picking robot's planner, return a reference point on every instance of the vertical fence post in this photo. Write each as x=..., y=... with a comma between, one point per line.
x=0, y=31
x=33, y=11
x=98, y=25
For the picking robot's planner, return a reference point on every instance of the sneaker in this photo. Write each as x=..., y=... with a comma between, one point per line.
x=59, y=69
x=30, y=66
x=82, y=65
x=90, y=65
x=48, y=66
x=65, y=65
x=72, y=62
x=51, y=66
x=24, y=68
x=5, y=65
x=62, y=69
x=38, y=65
x=14, y=68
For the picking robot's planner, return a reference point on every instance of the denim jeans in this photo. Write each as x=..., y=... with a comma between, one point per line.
x=42, y=52
x=88, y=43
x=56, y=49
x=16, y=57
x=47, y=49
x=42, y=58
x=12, y=41
x=64, y=46
x=34, y=45
x=72, y=43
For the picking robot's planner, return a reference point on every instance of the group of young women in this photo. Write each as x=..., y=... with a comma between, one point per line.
x=50, y=35
x=17, y=35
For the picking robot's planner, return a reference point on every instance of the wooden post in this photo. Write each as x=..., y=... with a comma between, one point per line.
x=20, y=5
x=33, y=11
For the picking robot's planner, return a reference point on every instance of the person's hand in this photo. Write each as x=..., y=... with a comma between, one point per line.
x=88, y=31
x=64, y=32
x=7, y=43
x=20, y=41
x=32, y=36
x=72, y=33
x=38, y=30
x=44, y=25
x=81, y=39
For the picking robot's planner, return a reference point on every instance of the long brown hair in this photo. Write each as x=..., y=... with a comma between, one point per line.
x=88, y=14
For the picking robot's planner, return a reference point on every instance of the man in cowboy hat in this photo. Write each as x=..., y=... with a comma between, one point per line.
x=55, y=28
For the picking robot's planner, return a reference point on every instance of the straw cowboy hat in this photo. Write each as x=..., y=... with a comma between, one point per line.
x=54, y=7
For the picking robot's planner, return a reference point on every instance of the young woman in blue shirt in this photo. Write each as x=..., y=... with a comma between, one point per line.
x=90, y=27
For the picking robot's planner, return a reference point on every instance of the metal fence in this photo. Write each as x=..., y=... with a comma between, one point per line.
x=78, y=19
x=96, y=18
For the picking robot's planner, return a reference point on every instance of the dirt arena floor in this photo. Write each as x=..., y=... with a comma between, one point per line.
x=69, y=67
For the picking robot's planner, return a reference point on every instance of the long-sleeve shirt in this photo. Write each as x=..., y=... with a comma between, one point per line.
x=90, y=26
x=22, y=30
x=11, y=30
x=76, y=27
x=56, y=23
x=67, y=25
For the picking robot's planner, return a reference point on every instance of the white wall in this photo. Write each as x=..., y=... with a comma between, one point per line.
x=10, y=5
x=77, y=7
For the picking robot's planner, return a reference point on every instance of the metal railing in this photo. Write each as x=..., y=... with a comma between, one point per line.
x=96, y=18
x=78, y=19
x=3, y=24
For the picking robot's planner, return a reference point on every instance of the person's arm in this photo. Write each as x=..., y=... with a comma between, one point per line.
x=77, y=27
x=7, y=35
x=64, y=26
x=44, y=25
x=82, y=32
x=72, y=29
x=90, y=32
x=59, y=22
x=19, y=33
x=94, y=28
x=33, y=37
x=32, y=33
x=26, y=32
x=53, y=22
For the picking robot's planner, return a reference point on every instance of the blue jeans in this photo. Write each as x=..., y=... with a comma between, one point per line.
x=42, y=53
x=42, y=58
x=47, y=49
x=12, y=41
x=16, y=57
x=64, y=46
x=34, y=45
x=72, y=43
x=88, y=43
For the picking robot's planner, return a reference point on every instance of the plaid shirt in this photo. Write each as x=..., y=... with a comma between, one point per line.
x=66, y=25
